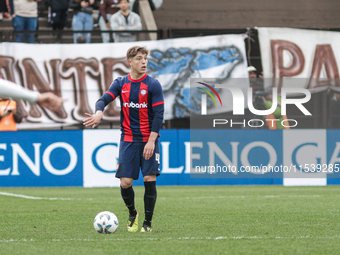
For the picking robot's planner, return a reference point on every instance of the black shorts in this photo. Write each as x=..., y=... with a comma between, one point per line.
x=131, y=160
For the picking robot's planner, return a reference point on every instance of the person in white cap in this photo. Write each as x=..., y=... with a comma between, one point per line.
x=252, y=72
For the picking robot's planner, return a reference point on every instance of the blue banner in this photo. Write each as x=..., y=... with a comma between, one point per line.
x=89, y=158
x=41, y=158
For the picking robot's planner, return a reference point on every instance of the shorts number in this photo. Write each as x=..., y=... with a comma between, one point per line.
x=157, y=158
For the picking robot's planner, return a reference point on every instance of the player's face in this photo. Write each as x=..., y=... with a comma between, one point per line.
x=138, y=63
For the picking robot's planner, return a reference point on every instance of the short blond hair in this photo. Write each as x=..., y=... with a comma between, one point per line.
x=133, y=51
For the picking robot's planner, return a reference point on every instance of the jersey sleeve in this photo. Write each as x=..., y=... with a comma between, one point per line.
x=109, y=95
x=114, y=89
x=157, y=94
x=157, y=107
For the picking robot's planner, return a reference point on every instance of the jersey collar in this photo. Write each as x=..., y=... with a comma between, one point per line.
x=137, y=80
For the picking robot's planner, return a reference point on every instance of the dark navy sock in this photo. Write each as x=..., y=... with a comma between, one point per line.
x=128, y=196
x=150, y=197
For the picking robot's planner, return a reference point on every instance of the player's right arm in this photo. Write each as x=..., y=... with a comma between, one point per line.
x=110, y=95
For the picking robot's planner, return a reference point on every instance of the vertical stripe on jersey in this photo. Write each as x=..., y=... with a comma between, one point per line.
x=143, y=112
x=125, y=94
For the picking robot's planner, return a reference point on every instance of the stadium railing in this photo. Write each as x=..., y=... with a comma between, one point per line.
x=66, y=36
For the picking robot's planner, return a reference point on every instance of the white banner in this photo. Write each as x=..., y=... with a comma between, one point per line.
x=81, y=73
x=100, y=154
x=298, y=53
x=306, y=150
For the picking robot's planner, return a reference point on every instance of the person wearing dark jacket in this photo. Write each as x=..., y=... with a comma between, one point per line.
x=82, y=18
x=107, y=8
x=58, y=14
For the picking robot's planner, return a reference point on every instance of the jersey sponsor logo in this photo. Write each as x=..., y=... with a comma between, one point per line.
x=136, y=105
x=125, y=91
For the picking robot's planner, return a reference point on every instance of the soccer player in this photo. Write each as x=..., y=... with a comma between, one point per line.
x=47, y=99
x=142, y=110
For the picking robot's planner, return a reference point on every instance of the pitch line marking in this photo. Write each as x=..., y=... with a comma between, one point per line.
x=264, y=196
x=170, y=238
x=161, y=198
x=40, y=198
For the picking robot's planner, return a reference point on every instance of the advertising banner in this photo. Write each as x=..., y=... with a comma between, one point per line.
x=41, y=158
x=306, y=151
x=101, y=148
x=89, y=158
x=81, y=73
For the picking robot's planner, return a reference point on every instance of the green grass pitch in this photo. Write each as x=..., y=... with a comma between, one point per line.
x=187, y=220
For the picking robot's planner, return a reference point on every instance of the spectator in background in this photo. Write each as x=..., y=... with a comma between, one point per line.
x=125, y=20
x=275, y=120
x=4, y=10
x=256, y=83
x=82, y=18
x=42, y=13
x=9, y=115
x=42, y=8
x=335, y=109
x=154, y=4
x=252, y=72
x=107, y=8
x=58, y=14
x=26, y=18
x=10, y=8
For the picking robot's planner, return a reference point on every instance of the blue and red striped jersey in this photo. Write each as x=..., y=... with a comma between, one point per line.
x=142, y=106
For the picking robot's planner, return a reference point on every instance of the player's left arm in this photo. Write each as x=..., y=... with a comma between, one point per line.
x=158, y=110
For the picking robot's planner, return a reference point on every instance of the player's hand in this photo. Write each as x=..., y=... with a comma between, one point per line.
x=148, y=149
x=108, y=25
x=50, y=101
x=93, y=120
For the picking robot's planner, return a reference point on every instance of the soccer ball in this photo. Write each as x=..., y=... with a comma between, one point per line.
x=106, y=222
